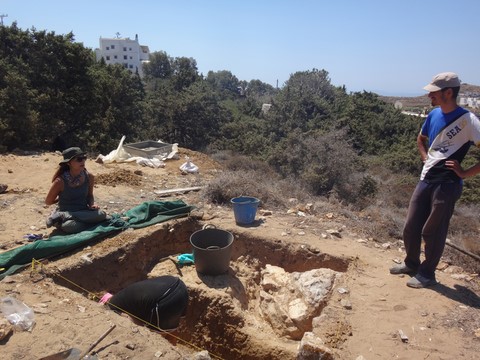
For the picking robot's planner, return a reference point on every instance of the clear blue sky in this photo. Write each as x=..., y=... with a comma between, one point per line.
x=385, y=46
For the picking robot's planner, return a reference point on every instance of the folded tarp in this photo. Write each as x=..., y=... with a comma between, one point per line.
x=145, y=214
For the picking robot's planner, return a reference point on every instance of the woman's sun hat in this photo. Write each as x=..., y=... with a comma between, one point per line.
x=70, y=153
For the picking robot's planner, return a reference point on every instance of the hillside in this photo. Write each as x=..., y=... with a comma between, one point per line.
x=423, y=101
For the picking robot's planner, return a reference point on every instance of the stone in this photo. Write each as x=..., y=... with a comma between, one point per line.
x=346, y=304
x=201, y=355
x=290, y=301
x=5, y=328
x=312, y=348
x=334, y=232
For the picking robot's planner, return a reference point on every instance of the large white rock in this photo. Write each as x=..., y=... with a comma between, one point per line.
x=289, y=301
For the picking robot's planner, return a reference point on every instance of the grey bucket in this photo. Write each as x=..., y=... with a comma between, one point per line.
x=212, y=249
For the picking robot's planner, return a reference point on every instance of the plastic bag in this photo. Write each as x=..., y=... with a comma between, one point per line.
x=17, y=313
x=188, y=167
x=117, y=155
x=184, y=259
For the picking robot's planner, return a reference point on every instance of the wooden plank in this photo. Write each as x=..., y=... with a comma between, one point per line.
x=177, y=190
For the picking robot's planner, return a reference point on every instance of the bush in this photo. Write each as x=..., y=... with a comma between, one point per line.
x=272, y=193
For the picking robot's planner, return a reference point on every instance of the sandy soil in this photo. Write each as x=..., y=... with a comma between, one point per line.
x=442, y=322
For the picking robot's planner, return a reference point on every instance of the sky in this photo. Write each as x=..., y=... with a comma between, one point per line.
x=390, y=47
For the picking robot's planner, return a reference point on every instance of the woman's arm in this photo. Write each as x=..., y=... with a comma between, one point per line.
x=55, y=190
x=90, y=198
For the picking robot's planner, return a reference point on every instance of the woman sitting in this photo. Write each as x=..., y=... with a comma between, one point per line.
x=72, y=189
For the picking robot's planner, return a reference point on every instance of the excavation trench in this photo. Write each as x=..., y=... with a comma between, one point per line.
x=226, y=313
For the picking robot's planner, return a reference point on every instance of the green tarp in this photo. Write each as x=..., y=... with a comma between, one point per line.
x=145, y=214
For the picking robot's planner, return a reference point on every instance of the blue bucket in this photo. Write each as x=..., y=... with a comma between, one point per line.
x=245, y=209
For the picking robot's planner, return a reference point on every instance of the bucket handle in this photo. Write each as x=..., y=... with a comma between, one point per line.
x=208, y=226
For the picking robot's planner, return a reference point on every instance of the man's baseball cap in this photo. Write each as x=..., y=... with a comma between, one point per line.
x=443, y=81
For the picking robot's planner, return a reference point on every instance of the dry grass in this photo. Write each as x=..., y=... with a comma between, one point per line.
x=382, y=218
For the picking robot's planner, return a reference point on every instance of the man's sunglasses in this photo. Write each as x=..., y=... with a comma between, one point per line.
x=80, y=158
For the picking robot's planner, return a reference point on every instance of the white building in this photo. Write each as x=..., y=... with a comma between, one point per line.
x=472, y=102
x=124, y=51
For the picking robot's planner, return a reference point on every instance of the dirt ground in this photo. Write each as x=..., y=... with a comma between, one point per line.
x=442, y=322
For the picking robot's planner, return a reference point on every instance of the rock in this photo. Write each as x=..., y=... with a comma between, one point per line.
x=8, y=279
x=5, y=328
x=465, y=277
x=290, y=301
x=266, y=212
x=86, y=258
x=442, y=266
x=346, y=304
x=312, y=348
x=334, y=232
x=202, y=355
x=40, y=308
x=453, y=270
x=298, y=311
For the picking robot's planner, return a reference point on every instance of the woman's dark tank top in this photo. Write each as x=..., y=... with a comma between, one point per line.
x=73, y=198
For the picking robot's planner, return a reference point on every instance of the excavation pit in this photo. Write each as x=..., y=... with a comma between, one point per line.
x=271, y=295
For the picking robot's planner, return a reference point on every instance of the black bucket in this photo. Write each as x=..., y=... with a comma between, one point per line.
x=212, y=249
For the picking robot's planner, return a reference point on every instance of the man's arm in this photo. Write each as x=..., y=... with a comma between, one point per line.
x=422, y=144
x=455, y=166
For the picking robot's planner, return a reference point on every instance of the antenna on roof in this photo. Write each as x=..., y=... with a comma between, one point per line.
x=117, y=34
x=1, y=18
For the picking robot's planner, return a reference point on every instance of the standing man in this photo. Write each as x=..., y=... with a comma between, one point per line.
x=443, y=142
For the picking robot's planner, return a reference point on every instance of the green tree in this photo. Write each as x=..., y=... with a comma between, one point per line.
x=159, y=66
x=17, y=120
x=224, y=82
x=118, y=98
x=185, y=73
x=305, y=102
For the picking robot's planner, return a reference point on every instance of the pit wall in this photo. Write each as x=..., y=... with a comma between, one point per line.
x=212, y=321
x=121, y=265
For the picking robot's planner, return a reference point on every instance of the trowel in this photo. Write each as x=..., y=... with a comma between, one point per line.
x=77, y=354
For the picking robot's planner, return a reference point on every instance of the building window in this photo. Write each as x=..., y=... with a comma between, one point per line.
x=115, y=56
x=131, y=57
x=113, y=47
x=108, y=48
x=125, y=65
x=130, y=66
x=130, y=49
x=124, y=48
x=125, y=57
x=108, y=57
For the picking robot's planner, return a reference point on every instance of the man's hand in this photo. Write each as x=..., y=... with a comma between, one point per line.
x=454, y=165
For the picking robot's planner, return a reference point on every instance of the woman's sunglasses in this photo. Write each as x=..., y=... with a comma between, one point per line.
x=80, y=158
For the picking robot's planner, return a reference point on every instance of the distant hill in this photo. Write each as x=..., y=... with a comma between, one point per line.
x=423, y=101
